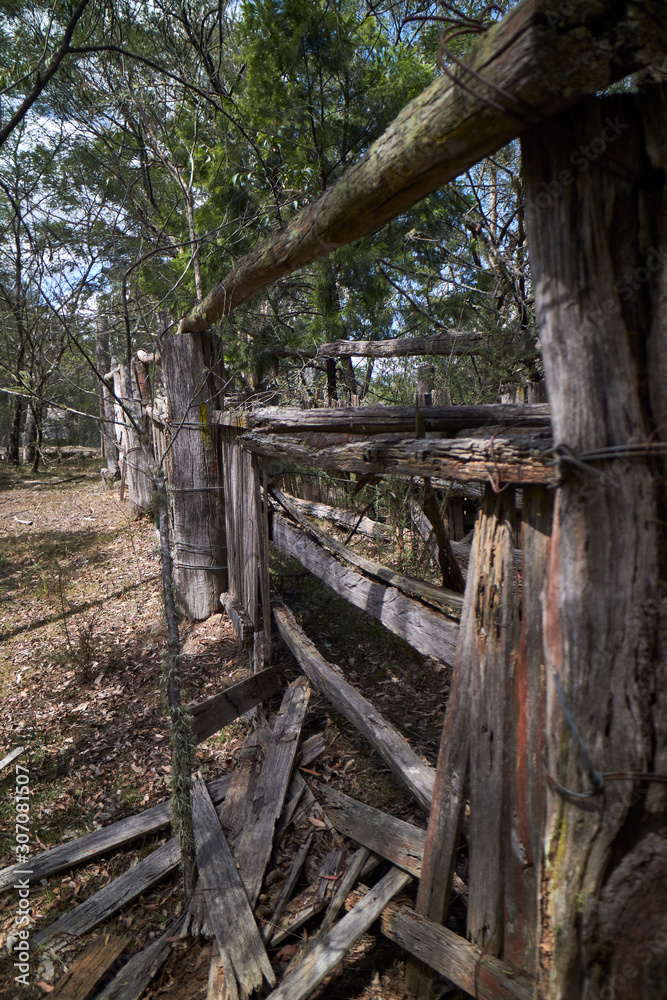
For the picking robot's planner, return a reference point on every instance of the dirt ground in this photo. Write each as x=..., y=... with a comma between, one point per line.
x=82, y=642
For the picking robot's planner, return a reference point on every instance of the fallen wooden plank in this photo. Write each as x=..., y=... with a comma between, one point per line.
x=370, y=567
x=6, y=761
x=347, y=882
x=85, y=973
x=287, y=889
x=135, y=976
x=116, y=894
x=502, y=458
x=229, y=913
x=238, y=617
x=253, y=846
x=451, y=343
x=91, y=845
x=210, y=716
x=426, y=630
x=540, y=59
x=326, y=955
x=408, y=767
x=309, y=908
x=453, y=957
x=390, y=837
x=217, y=981
x=397, y=419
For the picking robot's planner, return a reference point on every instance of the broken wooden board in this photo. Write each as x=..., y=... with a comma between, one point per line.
x=391, y=838
x=347, y=519
x=134, y=977
x=209, y=716
x=91, y=845
x=395, y=751
x=85, y=973
x=453, y=957
x=253, y=846
x=116, y=894
x=229, y=913
x=326, y=955
x=427, y=631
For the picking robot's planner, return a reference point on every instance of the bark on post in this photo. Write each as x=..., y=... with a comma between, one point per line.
x=598, y=248
x=200, y=551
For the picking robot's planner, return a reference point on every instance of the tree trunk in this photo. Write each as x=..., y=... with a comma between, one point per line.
x=15, y=432
x=29, y=436
x=103, y=358
x=200, y=564
x=598, y=248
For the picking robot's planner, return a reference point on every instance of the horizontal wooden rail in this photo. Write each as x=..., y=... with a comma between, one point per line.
x=395, y=347
x=455, y=958
x=519, y=458
x=544, y=56
x=398, y=419
x=429, y=632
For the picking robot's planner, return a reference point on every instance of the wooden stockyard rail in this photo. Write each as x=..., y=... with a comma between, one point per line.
x=554, y=732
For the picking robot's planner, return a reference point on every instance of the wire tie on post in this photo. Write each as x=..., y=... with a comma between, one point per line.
x=596, y=779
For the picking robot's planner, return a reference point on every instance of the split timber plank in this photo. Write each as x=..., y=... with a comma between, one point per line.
x=210, y=716
x=116, y=894
x=530, y=67
x=254, y=844
x=416, y=588
x=135, y=976
x=238, y=617
x=307, y=909
x=399, y=756
x=503, y=458
x=453, y=957
x=427, y=631
x=392, y=838
x=398, y=419
x=11, y=757
x=229, y=913
x=347, y=883
x=85, y=973
x=452, y=343
x=324, y=957
x=91, y=845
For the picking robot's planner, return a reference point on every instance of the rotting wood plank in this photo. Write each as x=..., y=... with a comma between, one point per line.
x=348, y=880
x=210, y=716
x=134, y=977
x=415, y=588
x=426, y=630
x=453, y=957
x=229, y=913
x=505, y=458
x=399, y=756
x=217, y=981
x=91, y=845
x=254, y=844
x=116, y=894
x=540, y=59
x=307, y=909
x=392, y=838
x=333, y=947
x=85, y=973
x=398, y=419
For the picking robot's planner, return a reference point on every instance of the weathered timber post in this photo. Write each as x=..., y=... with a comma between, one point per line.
x=200, y=549
x=474, y=751
x=135, y=446
x=596, y=187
